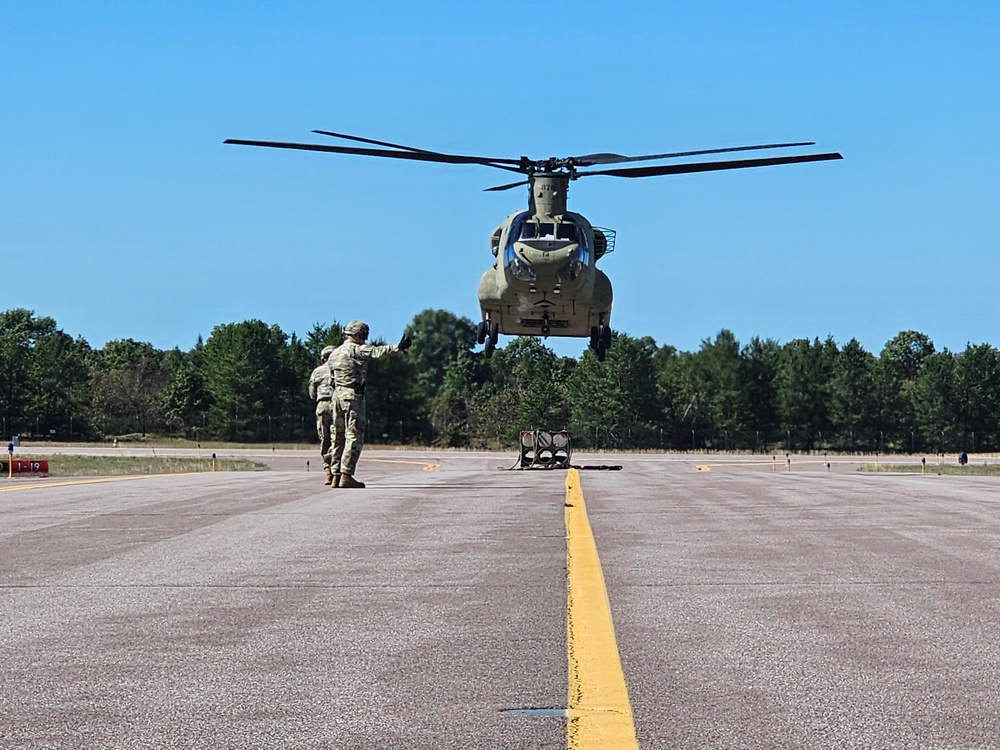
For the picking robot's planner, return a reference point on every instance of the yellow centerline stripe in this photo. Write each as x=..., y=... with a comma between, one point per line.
x=428, y=465
x=599, y=712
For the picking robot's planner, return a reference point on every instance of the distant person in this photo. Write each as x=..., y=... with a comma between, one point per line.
x=349, y=363
x=321, y=391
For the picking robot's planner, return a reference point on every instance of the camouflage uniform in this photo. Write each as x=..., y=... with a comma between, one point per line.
x=349, y=363
x=321, y=391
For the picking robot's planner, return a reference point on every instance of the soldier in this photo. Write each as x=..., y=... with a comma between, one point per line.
x=321, y=391
x=349, y=363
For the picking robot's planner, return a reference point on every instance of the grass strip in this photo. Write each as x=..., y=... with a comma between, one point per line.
x=969, y=470
x=113, y=466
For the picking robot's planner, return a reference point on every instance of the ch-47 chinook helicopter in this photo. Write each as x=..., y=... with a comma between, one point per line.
x=545, y=281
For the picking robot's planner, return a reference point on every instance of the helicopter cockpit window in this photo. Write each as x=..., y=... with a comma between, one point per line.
x=568, y=232
x=565, y=231
x=538, y=230
x=514, y=233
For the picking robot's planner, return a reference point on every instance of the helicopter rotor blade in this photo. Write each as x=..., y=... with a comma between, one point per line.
x=486, y=161
x=596, y=159
x=711, y=166
x=359, y=139
x=415, y=155
x=505, y=187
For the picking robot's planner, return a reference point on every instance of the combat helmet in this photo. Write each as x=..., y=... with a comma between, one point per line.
x=327, y=351
x=357, y=328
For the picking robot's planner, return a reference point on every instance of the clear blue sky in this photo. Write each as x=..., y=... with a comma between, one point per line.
x=123, y=215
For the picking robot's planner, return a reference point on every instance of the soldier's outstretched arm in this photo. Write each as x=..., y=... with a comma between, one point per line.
x=373, y=351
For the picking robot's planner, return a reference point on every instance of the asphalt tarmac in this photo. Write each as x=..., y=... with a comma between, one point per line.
x=756, y=604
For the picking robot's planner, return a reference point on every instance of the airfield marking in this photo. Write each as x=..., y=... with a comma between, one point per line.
x=599, y=713
x=99, y=480
x=428, y=465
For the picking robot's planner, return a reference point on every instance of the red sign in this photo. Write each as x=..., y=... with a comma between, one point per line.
x=27, y=467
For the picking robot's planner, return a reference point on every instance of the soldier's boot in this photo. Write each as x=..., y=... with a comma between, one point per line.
x=336, y=480
x=348, y=480
x=329, y=475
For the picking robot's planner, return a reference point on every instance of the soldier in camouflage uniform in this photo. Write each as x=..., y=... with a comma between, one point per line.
x=321, y=391
x=349, y=363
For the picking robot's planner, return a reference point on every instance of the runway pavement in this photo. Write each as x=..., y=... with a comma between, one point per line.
x=754, y=605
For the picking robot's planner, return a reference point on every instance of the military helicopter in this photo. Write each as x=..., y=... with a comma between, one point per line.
x=545, y=281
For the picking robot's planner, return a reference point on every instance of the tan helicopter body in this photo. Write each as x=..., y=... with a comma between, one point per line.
x=544, y=281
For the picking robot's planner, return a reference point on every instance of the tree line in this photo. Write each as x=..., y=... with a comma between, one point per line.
x=247, y=383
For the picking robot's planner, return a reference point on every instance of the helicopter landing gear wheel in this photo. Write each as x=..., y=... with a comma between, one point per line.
x=490, y=334
x=600, y=340
x=481, y=332
x=604, y=344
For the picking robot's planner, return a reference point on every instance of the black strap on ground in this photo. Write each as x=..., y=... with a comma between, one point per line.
x=578, y=467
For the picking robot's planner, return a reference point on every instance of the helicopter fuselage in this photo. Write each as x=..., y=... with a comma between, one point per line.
x=544, y=280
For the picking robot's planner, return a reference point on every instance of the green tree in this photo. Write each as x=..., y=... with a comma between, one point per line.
x=904, y=353
x=296, y=413
x=391, y=406
x=185, y=398
x=684, y=420
x=438, y=338
x=249, y=379
x=720, y=372
x=525, y=390
x=43, y=376
x=127, y=380
x=977, y=397
x=933, y=400
x=898, y=365
x=613, y=403
x=320, y=336
x=761, y=360
x=452, y=410
x=59, y=385
x=19, y=329
x=803, y=393
x=852, y=394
